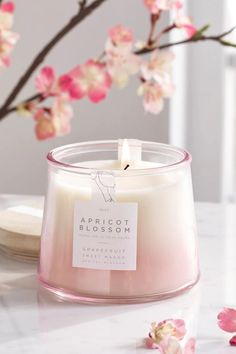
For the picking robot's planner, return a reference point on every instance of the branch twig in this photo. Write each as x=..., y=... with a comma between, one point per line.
x=166, y=30
x=153, y=22
x=201, y=38
x=226, y=33
x=84, y=11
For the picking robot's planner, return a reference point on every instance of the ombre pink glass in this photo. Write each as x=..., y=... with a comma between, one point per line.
x=160, y=183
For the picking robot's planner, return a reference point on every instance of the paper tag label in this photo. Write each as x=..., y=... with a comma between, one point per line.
x=105, y=235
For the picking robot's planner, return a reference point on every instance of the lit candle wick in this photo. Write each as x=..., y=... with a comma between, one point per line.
x=125, y=155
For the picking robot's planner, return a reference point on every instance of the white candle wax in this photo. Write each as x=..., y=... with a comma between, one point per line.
x=166, y=247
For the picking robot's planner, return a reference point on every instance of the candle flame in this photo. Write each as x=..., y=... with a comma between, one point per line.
x=125, y=154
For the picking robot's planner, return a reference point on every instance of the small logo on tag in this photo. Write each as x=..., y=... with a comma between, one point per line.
x=103, y=186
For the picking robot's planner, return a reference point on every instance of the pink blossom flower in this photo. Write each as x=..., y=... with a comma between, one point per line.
x=48, y=85
x=185, y=23
x=120, y=35
x=6, y=15
x=91, y=79
x=227, y=320
x=8, y=40
x=44, y=128
x=176, y=328
x=162, y=331
x=166, y=336
x=120, y=41
x=8, y=7
x=121, y=67
x=155, y=6
x=121, y=62
x=154, y=94
x=190, y=346
x=158, y=67
x=157, y=80
x=55, y=121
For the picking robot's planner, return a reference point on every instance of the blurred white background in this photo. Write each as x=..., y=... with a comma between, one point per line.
x=196, y=119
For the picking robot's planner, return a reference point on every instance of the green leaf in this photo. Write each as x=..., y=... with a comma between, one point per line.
x=227, y=44
x=201, y=31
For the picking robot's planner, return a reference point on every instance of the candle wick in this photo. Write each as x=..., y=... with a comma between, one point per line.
x=127, y=166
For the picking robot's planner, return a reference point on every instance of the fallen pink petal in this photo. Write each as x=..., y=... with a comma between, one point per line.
x=233, y=341
x=166, y=334
x=227, y=320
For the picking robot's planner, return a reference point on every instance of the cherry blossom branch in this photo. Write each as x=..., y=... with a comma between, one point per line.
x=84, y=12
x=196, y=38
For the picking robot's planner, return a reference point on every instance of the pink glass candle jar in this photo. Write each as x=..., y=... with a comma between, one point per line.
x=119, y=223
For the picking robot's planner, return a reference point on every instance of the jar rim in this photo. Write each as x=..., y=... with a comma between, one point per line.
x=53, y=159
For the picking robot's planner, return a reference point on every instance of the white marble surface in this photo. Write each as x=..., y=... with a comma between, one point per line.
x=32, y=323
